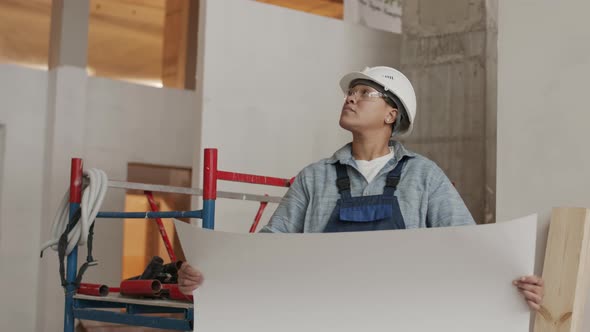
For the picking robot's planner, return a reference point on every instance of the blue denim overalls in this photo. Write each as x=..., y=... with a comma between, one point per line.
x=366, y=213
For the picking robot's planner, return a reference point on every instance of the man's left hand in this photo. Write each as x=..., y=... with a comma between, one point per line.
x=533, y=289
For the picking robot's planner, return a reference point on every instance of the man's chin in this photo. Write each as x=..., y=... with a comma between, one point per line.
x=346, y=125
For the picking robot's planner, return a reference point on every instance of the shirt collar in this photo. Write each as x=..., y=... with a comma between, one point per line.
x=344, y=154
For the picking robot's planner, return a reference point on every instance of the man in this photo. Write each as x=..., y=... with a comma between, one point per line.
x=373, y=183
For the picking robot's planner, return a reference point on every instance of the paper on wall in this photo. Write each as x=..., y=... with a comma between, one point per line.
x=377, y=14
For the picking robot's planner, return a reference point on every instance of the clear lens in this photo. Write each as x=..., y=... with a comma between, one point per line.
x=364, y=94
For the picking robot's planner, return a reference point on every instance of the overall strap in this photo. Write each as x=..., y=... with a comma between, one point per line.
x=342, y=180
x=393, y=177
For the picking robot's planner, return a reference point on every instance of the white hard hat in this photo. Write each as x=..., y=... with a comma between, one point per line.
x=392, y=81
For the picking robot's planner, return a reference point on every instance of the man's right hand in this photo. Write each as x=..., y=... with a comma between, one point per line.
x=189, y=279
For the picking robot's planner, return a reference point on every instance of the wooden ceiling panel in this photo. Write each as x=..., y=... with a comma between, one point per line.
x=149, y=20
x=24, y=32
x=125, y=37
x=132, y=32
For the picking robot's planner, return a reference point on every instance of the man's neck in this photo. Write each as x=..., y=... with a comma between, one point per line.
x=367, y=148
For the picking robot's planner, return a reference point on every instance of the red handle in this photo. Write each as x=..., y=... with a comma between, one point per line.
x=161, y=228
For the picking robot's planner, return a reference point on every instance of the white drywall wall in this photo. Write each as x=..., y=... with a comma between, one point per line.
x=270, y=94
x=23, y=96
x=543, y=117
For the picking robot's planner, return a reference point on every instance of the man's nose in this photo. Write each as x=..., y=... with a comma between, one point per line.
x=351, y=99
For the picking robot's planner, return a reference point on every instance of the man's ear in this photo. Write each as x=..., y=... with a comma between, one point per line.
x=391, y=115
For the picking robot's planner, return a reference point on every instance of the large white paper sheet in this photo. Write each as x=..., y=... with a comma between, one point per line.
x=443, y=279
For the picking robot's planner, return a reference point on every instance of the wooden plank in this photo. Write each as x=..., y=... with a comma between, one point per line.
x=329, y=8
x=180, y=44
x=566, y=271
x=192, y=38
x=174, y=48
x=179, y=50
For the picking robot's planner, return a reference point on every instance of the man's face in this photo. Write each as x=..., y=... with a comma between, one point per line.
x=365, y=110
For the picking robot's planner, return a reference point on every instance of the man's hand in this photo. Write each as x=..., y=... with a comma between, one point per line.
x=189, y=279
x=533, y=289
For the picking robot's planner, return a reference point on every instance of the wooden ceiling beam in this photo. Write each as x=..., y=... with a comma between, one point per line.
x=179, y=49
x=329, y=8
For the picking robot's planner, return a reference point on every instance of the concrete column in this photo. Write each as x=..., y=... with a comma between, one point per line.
x=444, y=54
x=68, y=40
x=491, y=110
x=64, y=139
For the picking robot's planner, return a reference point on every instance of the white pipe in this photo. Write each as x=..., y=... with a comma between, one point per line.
x=92, y=199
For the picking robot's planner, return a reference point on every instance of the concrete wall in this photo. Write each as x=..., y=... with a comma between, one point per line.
x=23, y=93
x=543, y=117
x=445, y=56
x=2, y=160
x=270, y=94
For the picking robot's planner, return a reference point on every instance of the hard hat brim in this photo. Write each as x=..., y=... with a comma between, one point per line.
x=348, y=78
